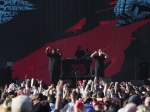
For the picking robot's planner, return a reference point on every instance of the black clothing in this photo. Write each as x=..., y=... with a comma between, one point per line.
x=54, y=75
x=80, y=54
x=99, y=65
x=54, y=61
x=43, y=106
x=54, y=67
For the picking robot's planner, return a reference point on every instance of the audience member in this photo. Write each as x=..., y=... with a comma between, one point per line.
x=21, y=103
x=90, y=96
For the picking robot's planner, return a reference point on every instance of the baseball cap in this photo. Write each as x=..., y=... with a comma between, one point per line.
x=21, y=103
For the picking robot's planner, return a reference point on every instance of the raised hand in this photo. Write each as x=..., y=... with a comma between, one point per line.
x=84, y=81
x=90, y=82
x=28, y=80
x=111, y=83
x=5, y=87
x=103, y=82
x=59, y=86
x=116, y=83
x=22, y=84
x=51, y=87
x=48, y=48
x=26, y=76
x=40, y=82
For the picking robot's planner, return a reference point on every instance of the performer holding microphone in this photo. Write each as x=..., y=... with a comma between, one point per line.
x=99, y=56
x=54, y=64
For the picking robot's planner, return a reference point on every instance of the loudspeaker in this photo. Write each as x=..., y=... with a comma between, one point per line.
x=137, y=82
x=67, y=81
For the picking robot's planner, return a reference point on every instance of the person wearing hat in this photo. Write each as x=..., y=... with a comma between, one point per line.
x=21, y=103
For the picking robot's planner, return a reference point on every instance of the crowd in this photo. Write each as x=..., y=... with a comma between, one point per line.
x=90, y=96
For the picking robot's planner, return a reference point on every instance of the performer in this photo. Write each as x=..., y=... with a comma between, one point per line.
x=79, y=54
x=54, y=64
x=87, y=54
x=99, y=56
